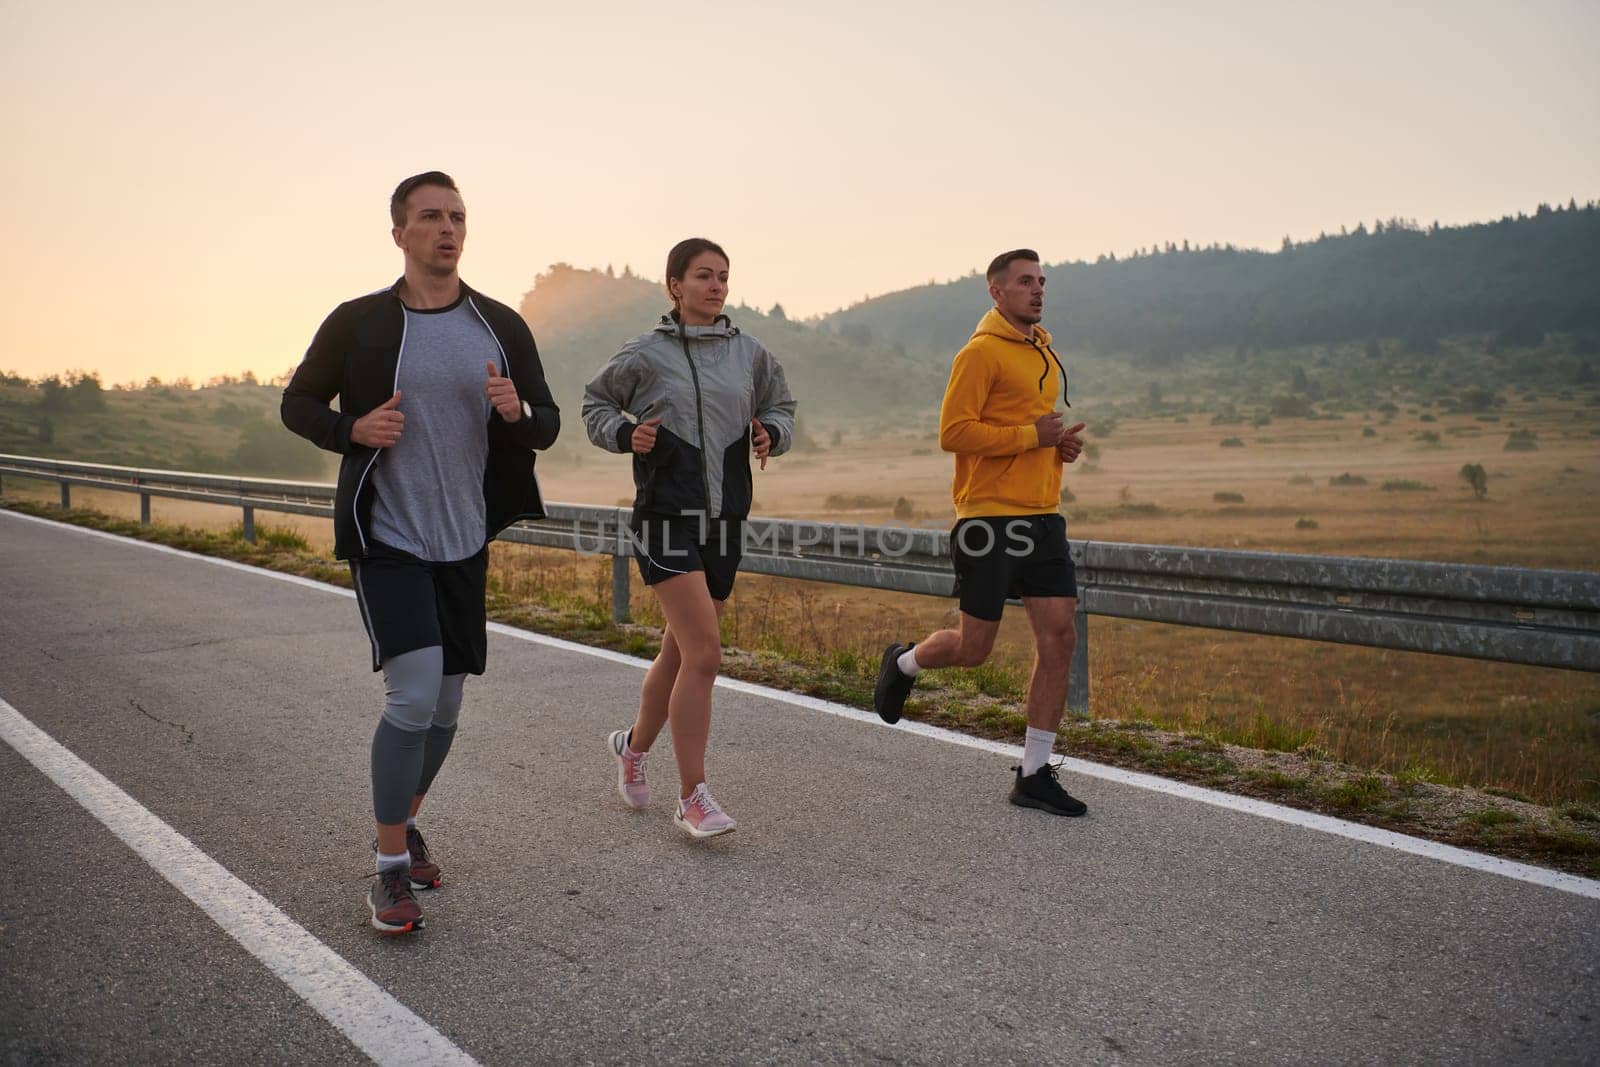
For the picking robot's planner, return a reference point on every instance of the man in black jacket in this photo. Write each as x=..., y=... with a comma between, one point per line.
x=442, y=401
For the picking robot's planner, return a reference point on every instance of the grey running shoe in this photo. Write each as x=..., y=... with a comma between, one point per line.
x=393, y=905
x=424, y=872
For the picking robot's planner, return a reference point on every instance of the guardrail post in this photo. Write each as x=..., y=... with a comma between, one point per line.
x=1078, y=681
x=144, y=509
x=619, y=588
x=66, y=495
x=249, y=524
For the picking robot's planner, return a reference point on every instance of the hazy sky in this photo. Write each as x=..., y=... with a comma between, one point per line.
x=195, y=185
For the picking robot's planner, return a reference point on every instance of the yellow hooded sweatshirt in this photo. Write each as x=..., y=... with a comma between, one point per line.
x=1000, y=385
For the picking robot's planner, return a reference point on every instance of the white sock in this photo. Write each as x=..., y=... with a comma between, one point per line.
x=1036, y=750
x=399, y=859
x=908, y=663
x=411, y=820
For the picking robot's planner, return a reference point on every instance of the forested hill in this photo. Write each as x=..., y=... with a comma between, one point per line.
x=1516, y=278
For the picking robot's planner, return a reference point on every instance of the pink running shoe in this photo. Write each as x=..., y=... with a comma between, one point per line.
x=630, y=771
x=701, y=815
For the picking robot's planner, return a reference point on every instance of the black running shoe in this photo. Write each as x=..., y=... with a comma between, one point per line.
x=1041, y=790
x=392, y=903
x=893, y=686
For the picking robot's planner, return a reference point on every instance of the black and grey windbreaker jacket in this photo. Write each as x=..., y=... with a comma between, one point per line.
x=705, y=383
x=356, y=357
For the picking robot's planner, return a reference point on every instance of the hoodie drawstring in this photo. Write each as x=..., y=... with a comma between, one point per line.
x=1045, y=373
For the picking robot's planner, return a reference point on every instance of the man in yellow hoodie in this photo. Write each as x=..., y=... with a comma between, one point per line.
x=1000, y=419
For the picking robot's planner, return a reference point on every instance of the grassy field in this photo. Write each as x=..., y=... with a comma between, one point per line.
x=1169, y=479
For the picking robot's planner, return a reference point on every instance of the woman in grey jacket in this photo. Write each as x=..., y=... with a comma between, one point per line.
x=692, y=401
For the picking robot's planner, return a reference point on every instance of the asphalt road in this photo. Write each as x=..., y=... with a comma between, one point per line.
x=880, y=901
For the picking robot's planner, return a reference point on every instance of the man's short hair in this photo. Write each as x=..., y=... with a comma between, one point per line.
x=397, y=202
x=1002, y=261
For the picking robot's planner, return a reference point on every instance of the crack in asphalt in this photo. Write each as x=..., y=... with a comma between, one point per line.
x=554, y=951
x=186, y=644
x=188, y=734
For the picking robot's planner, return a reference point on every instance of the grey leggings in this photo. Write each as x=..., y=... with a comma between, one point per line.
x=419, y=723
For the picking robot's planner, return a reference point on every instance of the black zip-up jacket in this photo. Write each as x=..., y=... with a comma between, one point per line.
x=356, y=356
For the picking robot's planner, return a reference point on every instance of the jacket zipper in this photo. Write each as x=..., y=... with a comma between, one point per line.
x=699, y=417
x=504, y=362
x=355, y=502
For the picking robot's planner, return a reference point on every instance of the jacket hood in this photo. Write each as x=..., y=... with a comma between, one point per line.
x=994, y=324
x=722, y=327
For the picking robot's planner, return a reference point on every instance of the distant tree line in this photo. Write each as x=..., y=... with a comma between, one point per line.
x=1512, y=280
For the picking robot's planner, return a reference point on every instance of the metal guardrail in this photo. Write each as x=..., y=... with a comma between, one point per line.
x=1508, y=614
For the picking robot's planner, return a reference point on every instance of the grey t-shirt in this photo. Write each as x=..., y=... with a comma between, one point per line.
x=429, y=484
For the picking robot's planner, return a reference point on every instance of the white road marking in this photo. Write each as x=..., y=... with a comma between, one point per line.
x=373, y=1020
x=1416, y=846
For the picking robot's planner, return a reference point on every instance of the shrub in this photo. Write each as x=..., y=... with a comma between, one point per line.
x=1474, y=475
x=1368, y=431
x=1301, y=479
x=1347, y=479
x=266, y=448
x=1068, y=496
x=1232, y=442
x=903, y=509
x=1225, y=497
x=1522, y=441
x=1291, y=407
x=1305, y=524
x=1405, y=485
x=857, y=502
x=1428, y=438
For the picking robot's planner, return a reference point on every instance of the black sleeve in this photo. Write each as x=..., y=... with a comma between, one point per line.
x=315, y=383
x=528, y=374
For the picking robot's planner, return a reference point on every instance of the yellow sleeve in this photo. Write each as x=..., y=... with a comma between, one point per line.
x=961, y=426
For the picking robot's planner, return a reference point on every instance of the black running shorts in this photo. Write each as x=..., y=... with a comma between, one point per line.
x=1007, y=556
x=409, y=603
x=669, y=545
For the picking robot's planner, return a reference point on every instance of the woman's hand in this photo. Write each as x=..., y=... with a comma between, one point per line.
x=644, y=436
x=760, y=441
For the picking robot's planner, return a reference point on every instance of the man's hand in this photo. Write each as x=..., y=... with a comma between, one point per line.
x=1049, y=428
x=503, y=394
x=1071, y=445
x=380, y=427
x=644, y=435
x=761, y=441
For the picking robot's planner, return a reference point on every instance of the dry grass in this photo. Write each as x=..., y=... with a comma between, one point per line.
x=1530, y=731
